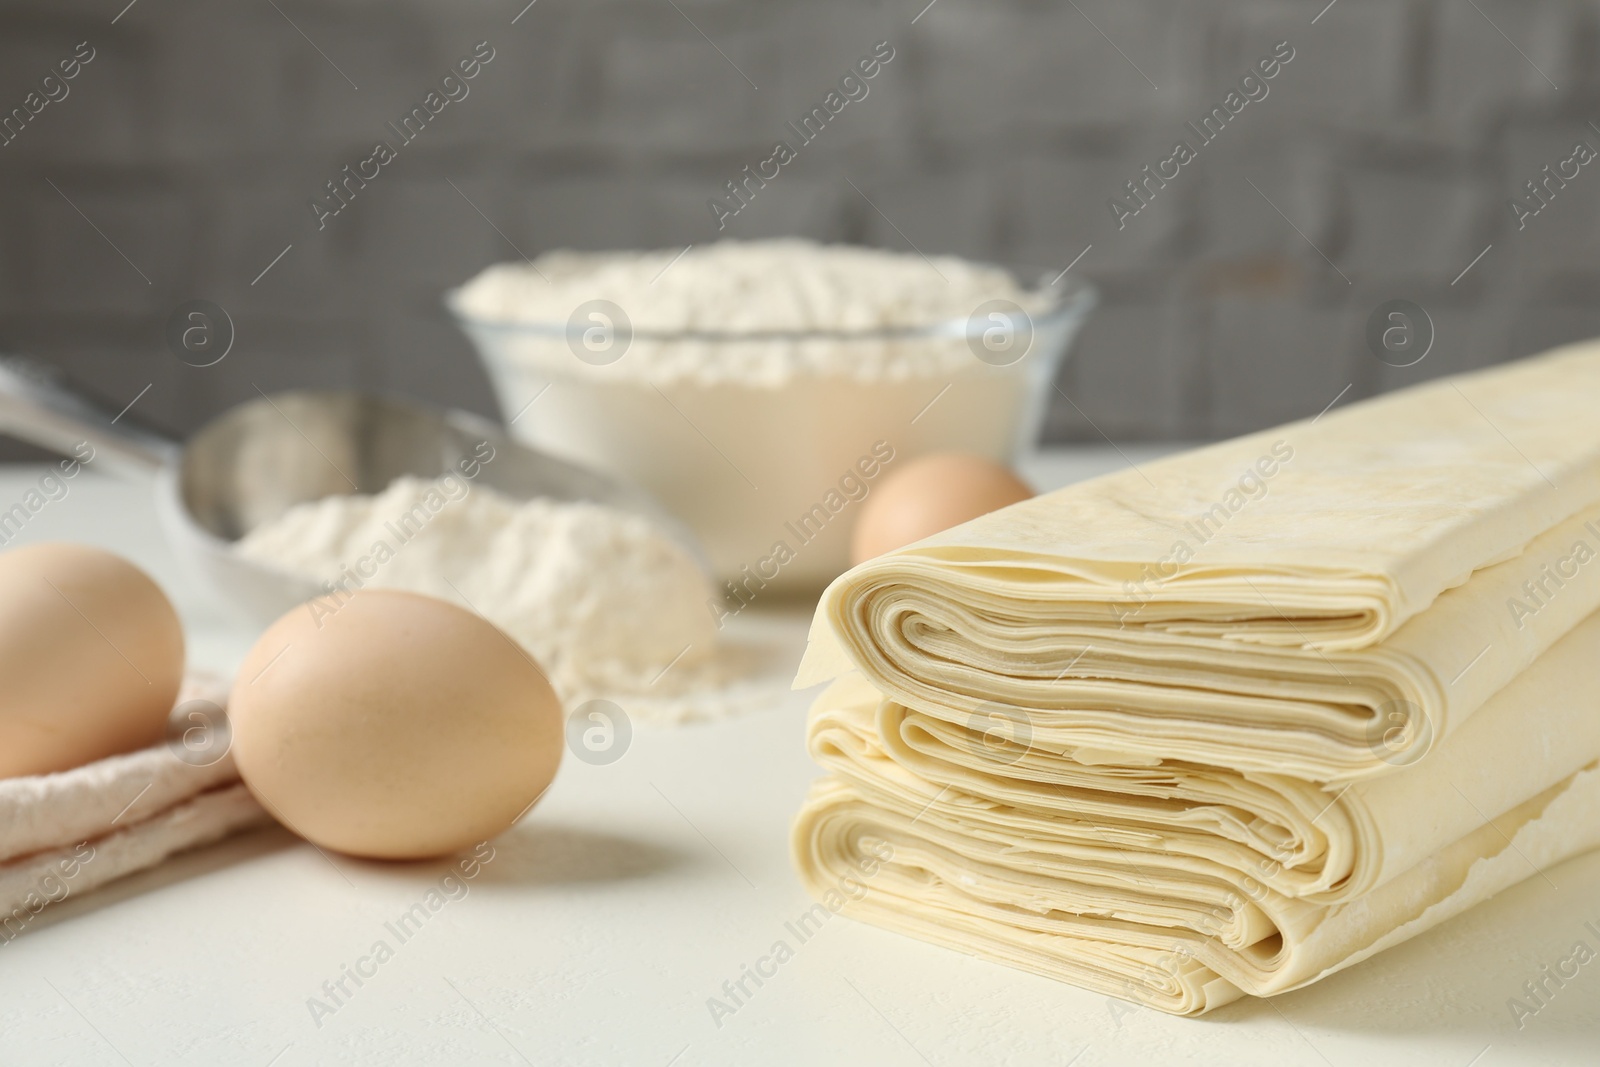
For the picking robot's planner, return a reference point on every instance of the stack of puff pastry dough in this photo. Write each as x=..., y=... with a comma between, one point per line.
x=1230, y=722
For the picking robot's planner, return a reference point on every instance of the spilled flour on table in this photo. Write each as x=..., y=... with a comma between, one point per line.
x=604, y=601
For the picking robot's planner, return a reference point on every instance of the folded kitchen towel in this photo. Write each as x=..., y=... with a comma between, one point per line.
x=66, y=833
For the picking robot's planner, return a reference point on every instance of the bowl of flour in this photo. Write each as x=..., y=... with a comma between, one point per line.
x=759, y=389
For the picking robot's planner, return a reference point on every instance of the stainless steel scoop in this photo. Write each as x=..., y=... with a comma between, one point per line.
x=258, y=459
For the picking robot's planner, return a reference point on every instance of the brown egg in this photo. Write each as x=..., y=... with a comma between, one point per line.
x=91, y=656
x=930, y=494
x=393, y=725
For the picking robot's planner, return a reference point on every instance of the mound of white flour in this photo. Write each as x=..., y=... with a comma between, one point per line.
x=606, y=603
x=767, y=288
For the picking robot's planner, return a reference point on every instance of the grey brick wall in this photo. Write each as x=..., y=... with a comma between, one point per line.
x=1379, y=166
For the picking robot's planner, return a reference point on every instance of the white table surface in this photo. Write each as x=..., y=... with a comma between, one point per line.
x=625, y=900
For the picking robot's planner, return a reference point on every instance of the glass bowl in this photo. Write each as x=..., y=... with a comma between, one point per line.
x=766, y=444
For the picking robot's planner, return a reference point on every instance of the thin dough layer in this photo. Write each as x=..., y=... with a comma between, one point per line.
x=1238, y=720
x=1402, y=561
x=993, y=909
x=1228, y=869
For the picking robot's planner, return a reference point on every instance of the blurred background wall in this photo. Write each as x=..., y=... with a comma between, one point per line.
x=183, y=159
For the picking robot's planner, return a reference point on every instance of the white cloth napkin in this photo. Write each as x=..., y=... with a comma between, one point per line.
x=67, y=833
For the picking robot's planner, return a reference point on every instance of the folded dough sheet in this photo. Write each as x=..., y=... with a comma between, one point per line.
x=1174, y=758
x=1327, y=599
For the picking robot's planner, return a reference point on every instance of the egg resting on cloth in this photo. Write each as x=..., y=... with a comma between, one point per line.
x=64, y=834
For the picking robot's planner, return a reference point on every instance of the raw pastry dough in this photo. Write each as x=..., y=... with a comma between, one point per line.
x=1017, y=917
x=1262, y=880
x=1268, y=645
x=1211, y=781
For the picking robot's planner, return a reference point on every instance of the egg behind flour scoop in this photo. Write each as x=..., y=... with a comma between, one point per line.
x=929, y=495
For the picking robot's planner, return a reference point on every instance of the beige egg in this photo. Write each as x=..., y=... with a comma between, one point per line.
x=393, y=725
x=930, y=494
x=91, y=656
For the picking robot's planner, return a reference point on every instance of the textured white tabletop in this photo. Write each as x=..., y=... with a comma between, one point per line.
x=606, y=920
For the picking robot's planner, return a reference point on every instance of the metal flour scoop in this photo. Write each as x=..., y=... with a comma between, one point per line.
x=258, y=459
